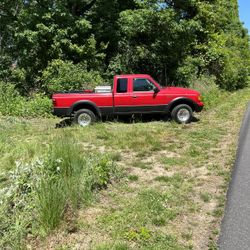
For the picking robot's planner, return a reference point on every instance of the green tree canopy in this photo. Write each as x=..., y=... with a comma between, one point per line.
x=175, y=41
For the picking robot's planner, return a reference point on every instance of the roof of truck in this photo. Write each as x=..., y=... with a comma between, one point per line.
x=134, y=75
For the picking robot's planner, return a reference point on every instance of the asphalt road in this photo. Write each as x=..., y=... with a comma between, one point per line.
x=235, y=228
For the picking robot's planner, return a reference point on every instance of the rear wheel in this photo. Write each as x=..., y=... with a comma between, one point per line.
x=84, y=117
x=182, y=113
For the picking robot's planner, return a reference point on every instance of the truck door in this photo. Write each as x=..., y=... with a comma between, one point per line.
x=123, y=96
x=145, y=100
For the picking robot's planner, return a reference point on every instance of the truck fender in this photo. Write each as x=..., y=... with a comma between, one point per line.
x=181, y=100
x=85, y=103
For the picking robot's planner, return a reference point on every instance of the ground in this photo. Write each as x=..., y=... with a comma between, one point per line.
x=172, y=189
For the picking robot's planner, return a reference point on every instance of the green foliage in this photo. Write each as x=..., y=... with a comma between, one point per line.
x=212, y=95
x=118, y=246
x=69, y=179
x=229, y=60
x=175, y=41
x=42, y=192
x=60, y=45
x=60, y=75
x=149, y=208
x=193, y=39
x=13, y=104
x=42, y=152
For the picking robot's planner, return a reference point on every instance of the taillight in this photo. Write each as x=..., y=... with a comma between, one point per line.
x=54, y=101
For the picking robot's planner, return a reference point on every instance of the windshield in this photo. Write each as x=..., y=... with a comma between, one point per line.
x=156, y=83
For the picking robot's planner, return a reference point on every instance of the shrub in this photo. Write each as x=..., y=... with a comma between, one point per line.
x=37, y=106
x=64, y=75
x=13, y=104
x=211, y=92
x=187, y=72
x=229, y=61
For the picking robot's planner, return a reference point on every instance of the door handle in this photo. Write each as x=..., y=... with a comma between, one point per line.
x=134, y=96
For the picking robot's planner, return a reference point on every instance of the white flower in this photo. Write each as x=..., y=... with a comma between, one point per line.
x=58, y=160
x=18, y=163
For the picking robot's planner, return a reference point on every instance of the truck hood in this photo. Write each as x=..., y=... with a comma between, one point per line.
x=179, y=91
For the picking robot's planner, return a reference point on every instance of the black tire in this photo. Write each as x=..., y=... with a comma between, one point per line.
x=184, y=111
x=84, y=117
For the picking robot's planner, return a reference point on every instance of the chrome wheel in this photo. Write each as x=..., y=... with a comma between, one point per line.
x=183, y=115
x=84, y=119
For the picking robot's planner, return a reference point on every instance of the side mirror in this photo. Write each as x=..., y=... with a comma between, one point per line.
x=156, y=90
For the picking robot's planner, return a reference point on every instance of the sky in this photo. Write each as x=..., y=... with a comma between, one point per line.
x=245, y=12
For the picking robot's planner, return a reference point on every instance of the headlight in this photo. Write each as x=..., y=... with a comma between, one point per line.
x=200, y=98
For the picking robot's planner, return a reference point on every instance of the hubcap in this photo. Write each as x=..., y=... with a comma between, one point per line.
x=183, y=115
x=84, y=119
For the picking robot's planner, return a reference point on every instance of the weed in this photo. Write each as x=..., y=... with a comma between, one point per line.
x=133, y=177
x=206, y=197
x=116, y=156
x=175, y=180
x=110, y=246
x=141, y=234
x=174, y=161
x=159, y=221
x=142, y=165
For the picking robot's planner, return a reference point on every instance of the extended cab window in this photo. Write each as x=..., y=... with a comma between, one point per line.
x=143, y=85
x=122, y=85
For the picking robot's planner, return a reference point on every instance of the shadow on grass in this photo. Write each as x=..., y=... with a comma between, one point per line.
x=128, y=119
x=64, y=123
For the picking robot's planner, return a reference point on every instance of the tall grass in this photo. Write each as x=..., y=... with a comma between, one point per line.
x=41, y=192
x=211, y=93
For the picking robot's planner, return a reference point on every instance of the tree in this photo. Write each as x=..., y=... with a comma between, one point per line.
x=175, y=41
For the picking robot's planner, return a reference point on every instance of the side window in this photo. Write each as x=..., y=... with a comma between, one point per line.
x=122, y=85
x=143, y=85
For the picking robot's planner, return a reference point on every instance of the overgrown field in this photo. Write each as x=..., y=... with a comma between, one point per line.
x=138, y=185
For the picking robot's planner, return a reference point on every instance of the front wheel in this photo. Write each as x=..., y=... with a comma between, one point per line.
x=182, y=113
x=84, y=117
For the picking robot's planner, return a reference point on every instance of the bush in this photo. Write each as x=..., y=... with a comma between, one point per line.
x=13, y=104
x=187, y=72
x=64, y=75
x=210, y=92
x=229, y=61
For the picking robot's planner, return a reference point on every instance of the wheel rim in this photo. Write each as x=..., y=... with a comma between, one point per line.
x=183, y=115
x=84, y=120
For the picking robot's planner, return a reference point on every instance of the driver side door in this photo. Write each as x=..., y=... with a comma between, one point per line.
x=145, y=100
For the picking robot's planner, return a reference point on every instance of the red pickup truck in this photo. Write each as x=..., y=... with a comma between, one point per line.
x=131, y=94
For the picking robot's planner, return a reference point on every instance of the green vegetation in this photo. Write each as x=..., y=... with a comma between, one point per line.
x=40, y=193
x=60, y=75
x=55, y=45
x=63, y=183
x=13, y=104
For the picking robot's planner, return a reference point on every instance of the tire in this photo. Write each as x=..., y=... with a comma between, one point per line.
x=182, y=114
x=84, y=117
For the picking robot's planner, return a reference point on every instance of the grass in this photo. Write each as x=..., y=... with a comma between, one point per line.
x=205, y=196
x=172, y=196
x=133, y=177
x=50, y=188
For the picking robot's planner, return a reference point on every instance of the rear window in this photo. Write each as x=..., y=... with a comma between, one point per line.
x=122, y=85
